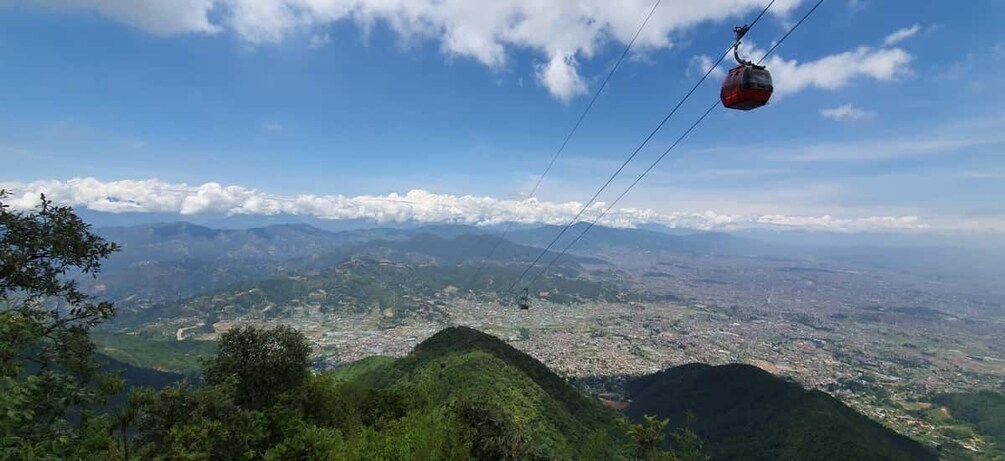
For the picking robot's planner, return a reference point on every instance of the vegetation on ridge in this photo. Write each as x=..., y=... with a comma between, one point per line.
x=743, y=412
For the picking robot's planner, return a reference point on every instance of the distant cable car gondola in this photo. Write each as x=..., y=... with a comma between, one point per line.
x=748, y=85
x=524, y=302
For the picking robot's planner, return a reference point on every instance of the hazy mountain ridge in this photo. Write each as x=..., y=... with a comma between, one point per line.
x=163, y=262
x=600, y=238
x=182, y=259
x=180, y=241
x=930, y=257
x=396, y=290
x=463, y=249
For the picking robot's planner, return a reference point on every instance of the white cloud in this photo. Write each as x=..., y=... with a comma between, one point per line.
x=701, y=64
x=153, y=195
x=872, y=223
x=837, y=70
x=320, y=40
x=272, y=126
x=560, y=77
x=159, y=17
x=562, y=32
x=989, y=223
x=901, y=35
x=259, y=22
x=847, y=112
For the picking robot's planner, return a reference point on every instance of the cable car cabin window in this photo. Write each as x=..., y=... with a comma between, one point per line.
x=734, y=78
x=756, y=78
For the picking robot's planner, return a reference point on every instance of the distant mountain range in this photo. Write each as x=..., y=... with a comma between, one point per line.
x=177, y=260
x=191, y=258
x=361, y=284
x=784, y=236
x=601, y=238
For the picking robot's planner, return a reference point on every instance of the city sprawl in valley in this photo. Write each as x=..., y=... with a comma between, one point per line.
x=884, y=339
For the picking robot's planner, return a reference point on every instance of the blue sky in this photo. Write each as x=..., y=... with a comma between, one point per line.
x=335, y=100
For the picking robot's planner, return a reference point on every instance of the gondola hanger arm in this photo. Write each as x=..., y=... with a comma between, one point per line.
x=741, y=31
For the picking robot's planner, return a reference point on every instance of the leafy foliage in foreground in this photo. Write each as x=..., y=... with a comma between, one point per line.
x=263, y=364
x=460, y=395
x=48, y=375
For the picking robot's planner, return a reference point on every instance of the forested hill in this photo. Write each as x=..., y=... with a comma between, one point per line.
x=505, y=395
x=743, y=412
x=740, y=411
x=983, y=410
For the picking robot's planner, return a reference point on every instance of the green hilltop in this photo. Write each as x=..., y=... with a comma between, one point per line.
x=460, y=367
x=744, y=412
x=978, y=417
x=741, y=412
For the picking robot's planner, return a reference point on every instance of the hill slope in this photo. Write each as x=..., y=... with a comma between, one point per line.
x=743, y=412
x=984, y=411
x=487, y=379
x=463, y=394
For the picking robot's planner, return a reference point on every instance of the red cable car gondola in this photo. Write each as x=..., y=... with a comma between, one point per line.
x=748, y=85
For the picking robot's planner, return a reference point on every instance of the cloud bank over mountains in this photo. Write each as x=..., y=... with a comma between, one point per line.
x=155, y=196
